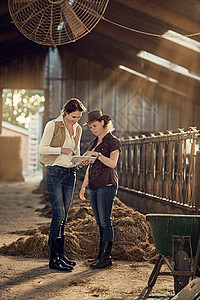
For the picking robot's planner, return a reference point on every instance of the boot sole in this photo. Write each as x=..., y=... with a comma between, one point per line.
x=100, y=267
x=60, y=269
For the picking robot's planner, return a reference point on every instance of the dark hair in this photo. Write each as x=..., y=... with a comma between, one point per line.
x=73, y=105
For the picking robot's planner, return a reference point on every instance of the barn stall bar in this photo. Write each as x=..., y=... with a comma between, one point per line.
x=159, y=173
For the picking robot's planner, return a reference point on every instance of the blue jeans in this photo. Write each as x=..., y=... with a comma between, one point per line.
x=60, y=186
x=102, y=200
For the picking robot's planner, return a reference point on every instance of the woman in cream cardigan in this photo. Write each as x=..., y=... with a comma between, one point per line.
x=60, y=141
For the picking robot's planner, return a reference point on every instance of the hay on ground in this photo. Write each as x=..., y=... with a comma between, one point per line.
x=132, y=234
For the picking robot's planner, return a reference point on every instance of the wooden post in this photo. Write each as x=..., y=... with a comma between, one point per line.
x=173, y=172
x=190, y=173
x=158, y=181
x=143, y=168
x=197, y=185
x=178, y=182
x=135, y=185
x=150, y=168
x=168, y=172
x=184, y=173
x=130, y=166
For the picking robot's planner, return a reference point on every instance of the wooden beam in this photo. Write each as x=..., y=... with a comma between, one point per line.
x=164, y=13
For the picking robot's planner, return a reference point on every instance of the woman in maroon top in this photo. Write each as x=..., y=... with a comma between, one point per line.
x=102, y=179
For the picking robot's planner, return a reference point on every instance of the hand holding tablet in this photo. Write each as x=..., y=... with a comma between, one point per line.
x=83, y=159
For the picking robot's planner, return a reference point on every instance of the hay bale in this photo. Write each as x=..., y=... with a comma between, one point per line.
x=10, y=160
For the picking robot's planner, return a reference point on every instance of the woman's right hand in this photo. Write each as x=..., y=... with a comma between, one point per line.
x=84, y=163
x=81, y=194
x=68, y=151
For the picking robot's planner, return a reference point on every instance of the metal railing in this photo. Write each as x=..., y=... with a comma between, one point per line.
x=165, y=165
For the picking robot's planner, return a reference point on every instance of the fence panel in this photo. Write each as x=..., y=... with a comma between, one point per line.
x=163, y=165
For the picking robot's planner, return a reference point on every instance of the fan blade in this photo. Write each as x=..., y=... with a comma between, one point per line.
x=75, y=24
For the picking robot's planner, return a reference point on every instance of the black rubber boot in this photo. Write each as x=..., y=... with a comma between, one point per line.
x=101, y=247
x=62, y=256
x=105, y=260
x=54, y=260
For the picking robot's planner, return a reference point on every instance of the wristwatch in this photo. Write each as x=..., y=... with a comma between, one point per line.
x=99, y=154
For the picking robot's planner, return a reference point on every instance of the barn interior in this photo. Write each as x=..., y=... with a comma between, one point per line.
x=139, y=64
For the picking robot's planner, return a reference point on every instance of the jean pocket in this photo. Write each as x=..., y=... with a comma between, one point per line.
x=56, y=171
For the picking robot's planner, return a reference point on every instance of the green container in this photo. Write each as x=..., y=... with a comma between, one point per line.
x=174, y=232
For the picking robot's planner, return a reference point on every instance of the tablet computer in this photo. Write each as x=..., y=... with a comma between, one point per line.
x=79, y=159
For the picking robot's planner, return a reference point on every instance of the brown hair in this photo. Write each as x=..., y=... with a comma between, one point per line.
x=72, y=105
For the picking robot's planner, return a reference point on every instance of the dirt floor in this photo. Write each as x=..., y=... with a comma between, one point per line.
x=24, y=272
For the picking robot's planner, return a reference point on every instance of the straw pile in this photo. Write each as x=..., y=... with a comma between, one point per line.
x=132, y=241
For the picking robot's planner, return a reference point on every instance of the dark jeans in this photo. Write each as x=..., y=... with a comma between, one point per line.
x=102, y=202
x=60, y=185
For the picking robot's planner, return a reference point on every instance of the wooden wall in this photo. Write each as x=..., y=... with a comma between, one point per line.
x=134, y=104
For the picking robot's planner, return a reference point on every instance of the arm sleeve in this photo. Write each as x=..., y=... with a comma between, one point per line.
x=115, y=145
x=44, y=146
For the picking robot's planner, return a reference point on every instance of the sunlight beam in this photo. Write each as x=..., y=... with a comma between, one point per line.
x=138, y=74
x=151, y=80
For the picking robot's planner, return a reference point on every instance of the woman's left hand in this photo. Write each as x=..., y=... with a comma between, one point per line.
x=90, y=153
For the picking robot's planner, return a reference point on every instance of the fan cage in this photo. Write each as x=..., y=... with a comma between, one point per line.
x=56, y=22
